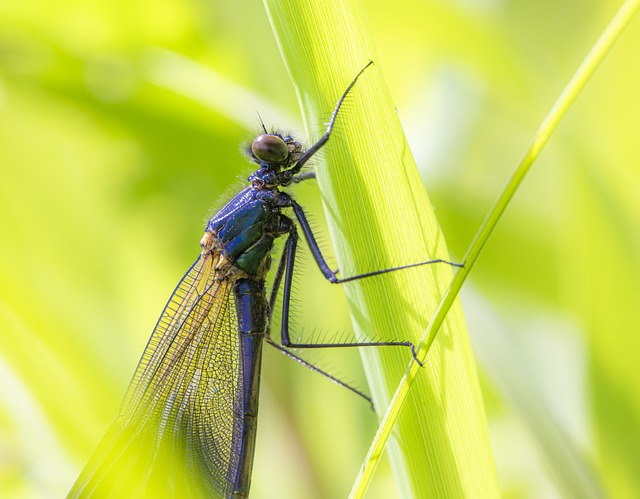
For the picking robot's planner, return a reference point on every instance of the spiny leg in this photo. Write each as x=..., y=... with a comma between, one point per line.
x=323, y=140
x=288, y=257
x=329, y=274
x=272, y=302
x=310, y=366
x=301, y=177
x=292, y=173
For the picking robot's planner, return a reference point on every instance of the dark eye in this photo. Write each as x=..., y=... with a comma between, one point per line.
x=270, y=149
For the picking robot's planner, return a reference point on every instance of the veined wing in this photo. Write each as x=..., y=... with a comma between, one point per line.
x=177, y=431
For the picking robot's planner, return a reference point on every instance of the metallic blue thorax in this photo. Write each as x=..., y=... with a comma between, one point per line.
x=246, y=228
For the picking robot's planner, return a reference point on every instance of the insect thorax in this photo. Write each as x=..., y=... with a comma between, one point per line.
x=245, y=228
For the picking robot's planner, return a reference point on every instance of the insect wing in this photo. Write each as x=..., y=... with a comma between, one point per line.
x=177, y=433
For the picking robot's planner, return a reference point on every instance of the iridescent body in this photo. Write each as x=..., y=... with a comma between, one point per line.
x=188, y=422
x=187, y=426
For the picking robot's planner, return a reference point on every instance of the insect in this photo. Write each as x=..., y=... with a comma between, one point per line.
x=187, y=425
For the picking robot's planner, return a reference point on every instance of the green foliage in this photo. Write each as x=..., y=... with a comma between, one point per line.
x=368, y=174
x=119, y=130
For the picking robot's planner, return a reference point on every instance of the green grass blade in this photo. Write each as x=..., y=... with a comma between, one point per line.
x=541, y=137
x=379, y=217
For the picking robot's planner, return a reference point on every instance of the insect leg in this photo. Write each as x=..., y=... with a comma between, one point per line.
x=289, y=256
x=323, y=140
x=277, y=280
x=291, y=242
x=310, y=366
x=329, y=274
x=301, y=177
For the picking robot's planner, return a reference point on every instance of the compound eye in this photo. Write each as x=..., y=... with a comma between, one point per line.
x=270, y=148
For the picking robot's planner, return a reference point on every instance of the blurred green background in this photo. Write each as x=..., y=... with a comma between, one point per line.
x=120, y=130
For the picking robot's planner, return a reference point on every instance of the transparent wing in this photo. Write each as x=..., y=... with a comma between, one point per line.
x=177, y=434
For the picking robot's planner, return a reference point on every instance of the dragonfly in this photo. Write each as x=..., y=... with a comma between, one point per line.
x=187, y=425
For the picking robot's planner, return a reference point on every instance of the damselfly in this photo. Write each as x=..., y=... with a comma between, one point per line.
x=187, y=426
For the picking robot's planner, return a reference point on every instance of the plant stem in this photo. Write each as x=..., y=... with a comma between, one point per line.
x=380, y=217
x=540, y=138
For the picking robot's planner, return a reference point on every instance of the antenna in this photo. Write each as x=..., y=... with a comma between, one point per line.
x=262, y=122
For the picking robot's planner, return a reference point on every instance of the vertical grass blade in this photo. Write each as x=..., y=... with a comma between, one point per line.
x=380, y=216
x=541, y=137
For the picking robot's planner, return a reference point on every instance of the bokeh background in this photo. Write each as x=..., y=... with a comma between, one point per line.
x=120, y=130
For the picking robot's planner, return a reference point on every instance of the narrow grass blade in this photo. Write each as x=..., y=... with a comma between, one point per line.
x=540, y=138
x=380, y=217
